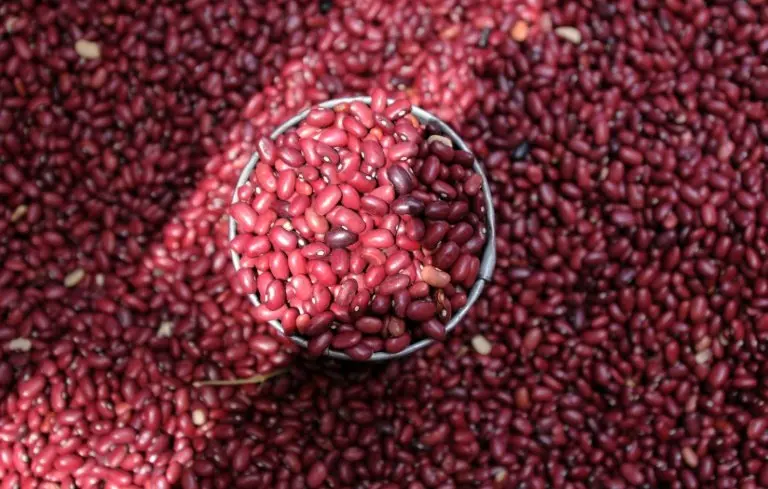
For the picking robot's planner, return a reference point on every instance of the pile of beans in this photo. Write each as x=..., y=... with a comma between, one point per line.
x=359, y=232
x=622, y=343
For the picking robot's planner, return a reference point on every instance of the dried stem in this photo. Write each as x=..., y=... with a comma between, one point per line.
x=255, y=379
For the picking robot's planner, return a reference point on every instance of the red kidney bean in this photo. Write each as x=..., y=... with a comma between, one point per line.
x=291, y=156
x=317, y=223
x=418, y=290
x=317, y=345
x=315, y=250
x=322, y=272
x=369, y=324
x=460, y=233
x=346, y=339
x=333, y=137
x=326, y=153
x=353, y=126
x=349, y=219
x=363, y=113
x=274, y=298
x=397, y=262
x=278, y=265
x=297, y=263
x=282, y=239
x=421, y=310
x=246, y=280
x=327, y=199
x=377, y=238
x=346, y=292
x=372, y=154
x=317, y=474
x=374, y=205
x=374, y=276
x=461, y=268
x=302, y=287
x=397, y=344
x=320, y=323
x=286, y=184
x=359, y=352
x=320, y=117
x=430, y=170
x=446, y=255
x=401, y=152
x=397, y=109
x=437, y=210
x=407, y=205
x=393, y=283
x=245, y=216
x=349, y=197
x=432, y=328
x=435, y=232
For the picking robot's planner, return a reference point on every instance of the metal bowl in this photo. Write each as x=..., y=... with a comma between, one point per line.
x=488, y=262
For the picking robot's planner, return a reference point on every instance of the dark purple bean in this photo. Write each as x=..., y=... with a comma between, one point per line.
x=407, y=205
x=401, y=179
x=340, y=238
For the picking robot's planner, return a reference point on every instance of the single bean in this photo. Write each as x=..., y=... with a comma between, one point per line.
x=340, y=238
x=421, y=310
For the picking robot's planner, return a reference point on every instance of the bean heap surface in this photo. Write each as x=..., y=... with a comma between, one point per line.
x=621, y=344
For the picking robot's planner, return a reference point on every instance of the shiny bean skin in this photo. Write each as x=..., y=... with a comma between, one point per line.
x=333, y=137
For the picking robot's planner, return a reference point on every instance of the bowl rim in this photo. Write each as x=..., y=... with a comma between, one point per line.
x=487, y=263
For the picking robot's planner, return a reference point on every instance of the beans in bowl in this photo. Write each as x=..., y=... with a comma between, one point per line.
x=359, y=229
